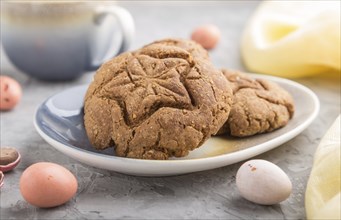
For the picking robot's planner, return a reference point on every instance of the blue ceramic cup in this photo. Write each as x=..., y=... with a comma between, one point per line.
x=61, y=40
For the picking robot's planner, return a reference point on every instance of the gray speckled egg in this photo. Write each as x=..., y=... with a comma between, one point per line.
x=263, y=182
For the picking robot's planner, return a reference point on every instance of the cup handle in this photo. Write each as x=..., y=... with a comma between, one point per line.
x=126, y=22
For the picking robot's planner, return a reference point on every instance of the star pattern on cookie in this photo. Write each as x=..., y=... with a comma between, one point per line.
x=161, y=80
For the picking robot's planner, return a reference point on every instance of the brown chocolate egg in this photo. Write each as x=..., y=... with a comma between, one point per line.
x=207, y=36
x=10, y=93
x=9, y=158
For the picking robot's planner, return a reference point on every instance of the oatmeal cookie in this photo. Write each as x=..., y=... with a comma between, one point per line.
x=259, y=106
x=162, y=100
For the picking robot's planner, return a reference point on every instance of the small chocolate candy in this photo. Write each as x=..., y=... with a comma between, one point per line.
x=9, y=158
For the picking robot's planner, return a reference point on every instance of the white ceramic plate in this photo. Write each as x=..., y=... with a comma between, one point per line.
x=59, y=120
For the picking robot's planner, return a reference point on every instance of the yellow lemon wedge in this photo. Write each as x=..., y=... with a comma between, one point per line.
x=322, y=198
x=293, y=38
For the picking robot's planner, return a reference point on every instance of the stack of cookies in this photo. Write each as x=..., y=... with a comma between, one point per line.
x=167, y=99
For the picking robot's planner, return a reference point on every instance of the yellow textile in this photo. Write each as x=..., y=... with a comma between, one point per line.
x=293, y=38
x=322, y=198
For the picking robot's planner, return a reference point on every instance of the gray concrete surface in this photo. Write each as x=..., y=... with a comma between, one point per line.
x=203, y=195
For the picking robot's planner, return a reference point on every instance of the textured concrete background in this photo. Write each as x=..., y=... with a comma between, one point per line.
x=204, y=195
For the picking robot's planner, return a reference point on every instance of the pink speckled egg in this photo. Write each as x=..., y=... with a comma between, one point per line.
x=207, y=36
x=47, y=185
x=2, y=176
x=10, y=93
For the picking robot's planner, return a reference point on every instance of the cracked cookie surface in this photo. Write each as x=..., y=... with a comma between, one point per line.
x=259, y=106
x=162, y=100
